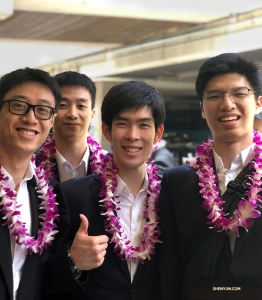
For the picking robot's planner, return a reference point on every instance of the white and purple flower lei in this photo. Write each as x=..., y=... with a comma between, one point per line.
x=151, y=232
x=11, y=213
x=210, y=191
x=47, y=155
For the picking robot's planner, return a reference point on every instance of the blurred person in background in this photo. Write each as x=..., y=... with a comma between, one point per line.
x=162, y=157
x=258, y=122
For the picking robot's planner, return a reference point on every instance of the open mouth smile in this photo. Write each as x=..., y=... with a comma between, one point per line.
x=132, y=149
x=27, y=132
x=227, y=119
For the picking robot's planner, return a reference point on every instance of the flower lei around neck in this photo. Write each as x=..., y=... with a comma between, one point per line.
x=212, y=203
x=11, y=213
x=48, y=151
x=104, y=165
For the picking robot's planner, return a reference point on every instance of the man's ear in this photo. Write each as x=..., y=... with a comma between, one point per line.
x=93, y=111
x=259, y=105
x=52, y=120
x=159, y=133
x=202, y=110
x=106, y=132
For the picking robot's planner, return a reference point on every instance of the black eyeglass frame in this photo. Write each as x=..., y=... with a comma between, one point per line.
x=28, y=108
x=228, y=92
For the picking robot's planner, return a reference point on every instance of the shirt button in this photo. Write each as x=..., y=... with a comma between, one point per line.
x=230, y=176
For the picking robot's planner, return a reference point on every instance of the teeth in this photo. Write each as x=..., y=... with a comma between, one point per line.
x=27, y=132
x=132, y=149
x=229, y=118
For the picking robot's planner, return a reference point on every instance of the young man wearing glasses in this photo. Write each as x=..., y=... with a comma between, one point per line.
x=210, y=217
x=29, y=214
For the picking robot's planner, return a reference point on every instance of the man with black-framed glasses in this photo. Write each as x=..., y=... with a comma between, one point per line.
x=211, y=217
x=29, y=212
x=18, y=107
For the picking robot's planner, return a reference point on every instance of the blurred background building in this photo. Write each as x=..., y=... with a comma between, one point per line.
x=161, y=42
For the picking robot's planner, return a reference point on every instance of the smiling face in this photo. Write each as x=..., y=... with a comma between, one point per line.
x=230, y=121
x=132, y=136
x=74, y=114
x=24, y=134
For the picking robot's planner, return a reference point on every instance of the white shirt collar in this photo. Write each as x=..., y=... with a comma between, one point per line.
x=62, y=161
x=30, y=172
x=123, y=189
x=240, y=161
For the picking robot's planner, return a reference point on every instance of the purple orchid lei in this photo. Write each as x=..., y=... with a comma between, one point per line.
x=212, y=203
x=11, y=213
x=47, y=155
x=107, y=175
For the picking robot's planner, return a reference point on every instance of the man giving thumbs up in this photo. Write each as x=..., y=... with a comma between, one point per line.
x=112, y=251
x=90, y=250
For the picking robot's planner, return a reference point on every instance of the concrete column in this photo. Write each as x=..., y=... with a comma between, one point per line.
x=102, y=88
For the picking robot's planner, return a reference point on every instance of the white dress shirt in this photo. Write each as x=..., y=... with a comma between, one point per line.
x=19, y=252
x=131, y=216
x=66, y=171
x=226, y=175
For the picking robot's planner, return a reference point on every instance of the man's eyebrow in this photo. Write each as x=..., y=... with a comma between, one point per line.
x=78, y=99
x=47, y=102
x=119, y=118
x=24, y=98
x=146, y=120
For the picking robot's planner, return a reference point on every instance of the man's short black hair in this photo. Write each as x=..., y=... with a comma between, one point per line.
x=70, y=78
x=21, y=76
x=132, y=95
x=228, y=63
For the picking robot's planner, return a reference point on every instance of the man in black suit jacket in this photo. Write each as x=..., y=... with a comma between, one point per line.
x=132, y=115
x=66, y=153
x=211, y=225
x=28, y=101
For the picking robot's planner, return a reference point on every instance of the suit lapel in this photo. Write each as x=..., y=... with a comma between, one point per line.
x=6, y=256
x=89, y=170
x=122, y=264
x=34, y=205
x=56, y=172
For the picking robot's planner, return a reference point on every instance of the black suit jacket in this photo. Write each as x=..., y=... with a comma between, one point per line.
x=30, y=287
x=110, y=281
x=194, y=261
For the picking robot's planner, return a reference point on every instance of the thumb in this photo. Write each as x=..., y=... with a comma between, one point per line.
x=84, y=225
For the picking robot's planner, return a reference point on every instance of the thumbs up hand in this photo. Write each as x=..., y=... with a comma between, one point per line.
x=88, y=252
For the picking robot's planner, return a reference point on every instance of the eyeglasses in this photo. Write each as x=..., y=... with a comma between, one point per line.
x=18, y=107
x=236, y=94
